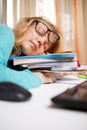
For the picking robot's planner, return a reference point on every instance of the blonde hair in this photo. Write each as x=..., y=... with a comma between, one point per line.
x=21, y=27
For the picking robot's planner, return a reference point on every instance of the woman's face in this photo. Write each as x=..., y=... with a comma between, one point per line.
x=33, y=43
x=38, y=39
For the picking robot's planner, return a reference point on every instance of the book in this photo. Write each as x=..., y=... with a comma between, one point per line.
x=46, y=62
x=62, y=69
x=48, y=58
x=56, y=63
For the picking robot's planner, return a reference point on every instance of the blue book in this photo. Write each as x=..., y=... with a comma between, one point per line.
x=47, y=56
x=45, y=59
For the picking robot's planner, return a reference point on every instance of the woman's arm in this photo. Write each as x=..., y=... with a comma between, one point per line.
x=24, y=78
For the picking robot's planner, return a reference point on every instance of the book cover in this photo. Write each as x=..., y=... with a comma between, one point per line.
x=48, y=58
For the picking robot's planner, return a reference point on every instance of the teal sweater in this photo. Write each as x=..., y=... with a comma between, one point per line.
x=25, y=78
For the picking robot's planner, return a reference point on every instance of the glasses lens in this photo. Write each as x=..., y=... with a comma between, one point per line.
x=53, y=37
x=41, y=29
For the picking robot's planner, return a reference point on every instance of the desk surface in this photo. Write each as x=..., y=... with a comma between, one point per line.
x=39, y=112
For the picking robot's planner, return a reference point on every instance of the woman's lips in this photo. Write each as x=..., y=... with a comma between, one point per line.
x=33, y=45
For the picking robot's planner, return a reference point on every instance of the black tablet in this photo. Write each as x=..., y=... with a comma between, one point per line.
x=73, y=98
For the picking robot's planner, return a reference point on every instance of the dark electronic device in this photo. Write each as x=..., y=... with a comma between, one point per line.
x=13, y=92
x=73, y=98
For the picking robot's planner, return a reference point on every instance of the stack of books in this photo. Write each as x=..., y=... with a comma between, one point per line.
x=48, y=63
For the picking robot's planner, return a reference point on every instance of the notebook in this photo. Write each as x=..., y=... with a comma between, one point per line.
x=74, y=98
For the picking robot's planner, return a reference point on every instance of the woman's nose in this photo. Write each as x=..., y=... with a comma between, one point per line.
x=42, y=39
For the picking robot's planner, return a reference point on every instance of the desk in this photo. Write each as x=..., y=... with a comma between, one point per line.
x=39, y=113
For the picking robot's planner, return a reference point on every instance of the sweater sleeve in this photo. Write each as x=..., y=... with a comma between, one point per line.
x=25, y=78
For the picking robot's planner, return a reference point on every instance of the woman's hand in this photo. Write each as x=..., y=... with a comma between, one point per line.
x=47, y=77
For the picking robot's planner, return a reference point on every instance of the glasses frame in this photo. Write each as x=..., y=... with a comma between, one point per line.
x=48, y=30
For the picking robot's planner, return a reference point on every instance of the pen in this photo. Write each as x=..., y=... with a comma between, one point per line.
x=82, y=76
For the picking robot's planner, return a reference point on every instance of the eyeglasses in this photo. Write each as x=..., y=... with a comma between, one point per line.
x=42, y=30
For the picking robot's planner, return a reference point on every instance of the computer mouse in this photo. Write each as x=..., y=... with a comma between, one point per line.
x=13, y=92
